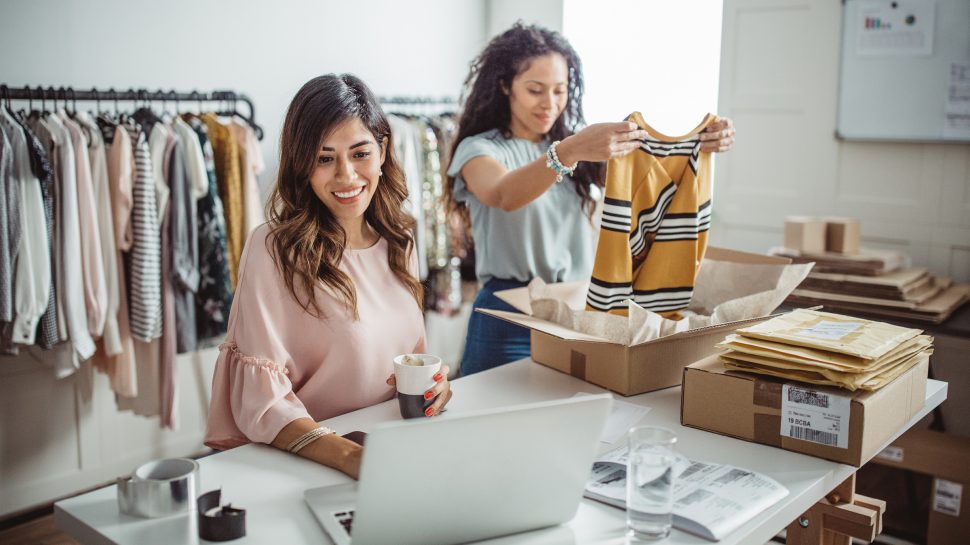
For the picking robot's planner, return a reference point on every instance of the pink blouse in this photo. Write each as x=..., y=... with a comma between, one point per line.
x=280, y=363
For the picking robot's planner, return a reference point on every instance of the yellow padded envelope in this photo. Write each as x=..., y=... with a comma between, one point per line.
x=848, y=335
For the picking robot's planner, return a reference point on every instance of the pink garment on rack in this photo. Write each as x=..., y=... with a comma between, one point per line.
x=120, y=368
x=95, y=287
x=168, y=409
x=251, y=164
x=280, y=363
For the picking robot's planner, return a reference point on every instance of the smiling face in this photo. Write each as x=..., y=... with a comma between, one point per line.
x=538, y=95
x=347, y=171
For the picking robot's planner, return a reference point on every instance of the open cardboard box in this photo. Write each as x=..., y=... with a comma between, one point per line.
x=627, y=370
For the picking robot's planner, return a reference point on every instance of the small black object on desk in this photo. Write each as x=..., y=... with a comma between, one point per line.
x=225, y=524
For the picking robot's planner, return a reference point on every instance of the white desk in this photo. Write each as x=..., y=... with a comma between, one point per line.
x=269, y=483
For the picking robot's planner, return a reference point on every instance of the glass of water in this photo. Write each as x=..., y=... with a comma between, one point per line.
x=649, y=483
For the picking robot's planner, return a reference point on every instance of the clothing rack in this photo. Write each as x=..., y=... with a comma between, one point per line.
x=69, y=94
x=418, y=105
x=417, y=100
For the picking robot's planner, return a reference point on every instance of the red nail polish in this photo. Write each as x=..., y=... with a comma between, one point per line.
x=428, y=395
x=437, y=377
x=429, y=411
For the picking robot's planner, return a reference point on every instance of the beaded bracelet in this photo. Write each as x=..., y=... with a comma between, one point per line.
x=297, y=444
x=553, y=162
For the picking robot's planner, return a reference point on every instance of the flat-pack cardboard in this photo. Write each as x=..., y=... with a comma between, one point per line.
x=626, y=370
x=946, y=458
x=750, y=407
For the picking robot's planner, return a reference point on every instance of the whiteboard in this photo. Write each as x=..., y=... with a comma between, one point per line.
x=905, y=80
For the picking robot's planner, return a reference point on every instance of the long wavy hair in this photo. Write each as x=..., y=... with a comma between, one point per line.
x=308, y=241
x=485, y=106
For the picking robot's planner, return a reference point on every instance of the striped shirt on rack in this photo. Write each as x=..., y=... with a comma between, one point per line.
x=144, y=263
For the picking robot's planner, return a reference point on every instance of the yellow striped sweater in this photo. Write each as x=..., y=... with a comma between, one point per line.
x=656, y=216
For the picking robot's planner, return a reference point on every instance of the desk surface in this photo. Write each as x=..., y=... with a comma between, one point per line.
x=269, y=483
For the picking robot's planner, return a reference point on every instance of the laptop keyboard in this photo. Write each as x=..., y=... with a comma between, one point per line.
x=346, y=519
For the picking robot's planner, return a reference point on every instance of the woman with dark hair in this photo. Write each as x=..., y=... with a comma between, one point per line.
x=520, y=131
x=327, y=292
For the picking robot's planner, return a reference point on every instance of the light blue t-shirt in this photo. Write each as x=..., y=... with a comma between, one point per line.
x=550, y=238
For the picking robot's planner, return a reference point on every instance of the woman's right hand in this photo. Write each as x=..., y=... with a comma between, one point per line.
x=600, y=142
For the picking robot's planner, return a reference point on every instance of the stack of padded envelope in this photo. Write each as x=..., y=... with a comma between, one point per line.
x=827, y=349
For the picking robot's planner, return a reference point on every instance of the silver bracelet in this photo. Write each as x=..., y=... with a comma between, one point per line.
x=297, y=444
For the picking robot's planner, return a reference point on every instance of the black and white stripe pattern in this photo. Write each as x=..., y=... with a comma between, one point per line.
x=606, y=296
x=690, y=147
x=692, y=163
x=685, y=226
x=659, y=148
x=664, y=299
x=616, y=215
x=145, y=275
x=648, y=220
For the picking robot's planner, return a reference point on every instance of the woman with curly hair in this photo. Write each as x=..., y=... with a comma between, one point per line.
x=523, y=106
x=327, y=292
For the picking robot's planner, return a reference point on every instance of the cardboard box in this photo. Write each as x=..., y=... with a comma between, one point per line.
x=946, y=458
x=805, y=234
x=627, y=370
x=842, y=235
x=750, y=407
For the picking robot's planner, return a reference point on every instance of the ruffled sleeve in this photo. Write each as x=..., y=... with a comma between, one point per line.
x=252, y=396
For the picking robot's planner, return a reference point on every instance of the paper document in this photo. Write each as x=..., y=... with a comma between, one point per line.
x=710, y=500
x=895, y=29
x=623, y=416
x=957, y=109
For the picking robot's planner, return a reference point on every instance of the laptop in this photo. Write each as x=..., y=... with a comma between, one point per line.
x=465, y=477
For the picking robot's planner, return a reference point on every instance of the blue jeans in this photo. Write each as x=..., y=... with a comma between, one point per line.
x=490, y=341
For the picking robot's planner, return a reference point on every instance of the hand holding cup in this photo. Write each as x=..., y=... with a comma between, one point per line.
x=422, y=384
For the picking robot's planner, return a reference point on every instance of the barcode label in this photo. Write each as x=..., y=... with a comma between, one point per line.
x=807, y=397
x=814, y=415
x=815, y=436
x=947, y=496
x=892, y=453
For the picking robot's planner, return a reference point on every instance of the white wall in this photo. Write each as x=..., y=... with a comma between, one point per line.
x=658, y=58
x=59, y=436
x=779, y=82
x=504, y=13
x=264, y=49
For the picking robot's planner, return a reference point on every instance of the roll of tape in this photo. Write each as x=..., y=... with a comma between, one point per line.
x=219, y=523
x=159, y=488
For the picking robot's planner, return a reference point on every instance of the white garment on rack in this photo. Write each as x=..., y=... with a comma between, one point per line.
x=157, y=142
x=406, y=152
x=92, y=266
x=71, y=292
x=194, y=159
x=33, y=271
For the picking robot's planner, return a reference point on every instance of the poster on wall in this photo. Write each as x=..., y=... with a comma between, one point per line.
x=957, y=109
x=896, y=28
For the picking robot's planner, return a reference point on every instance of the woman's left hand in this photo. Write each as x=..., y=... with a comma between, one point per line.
x=441, y=391
x=718, y=136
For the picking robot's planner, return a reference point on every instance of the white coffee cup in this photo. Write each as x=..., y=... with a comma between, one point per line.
x=413, y=381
